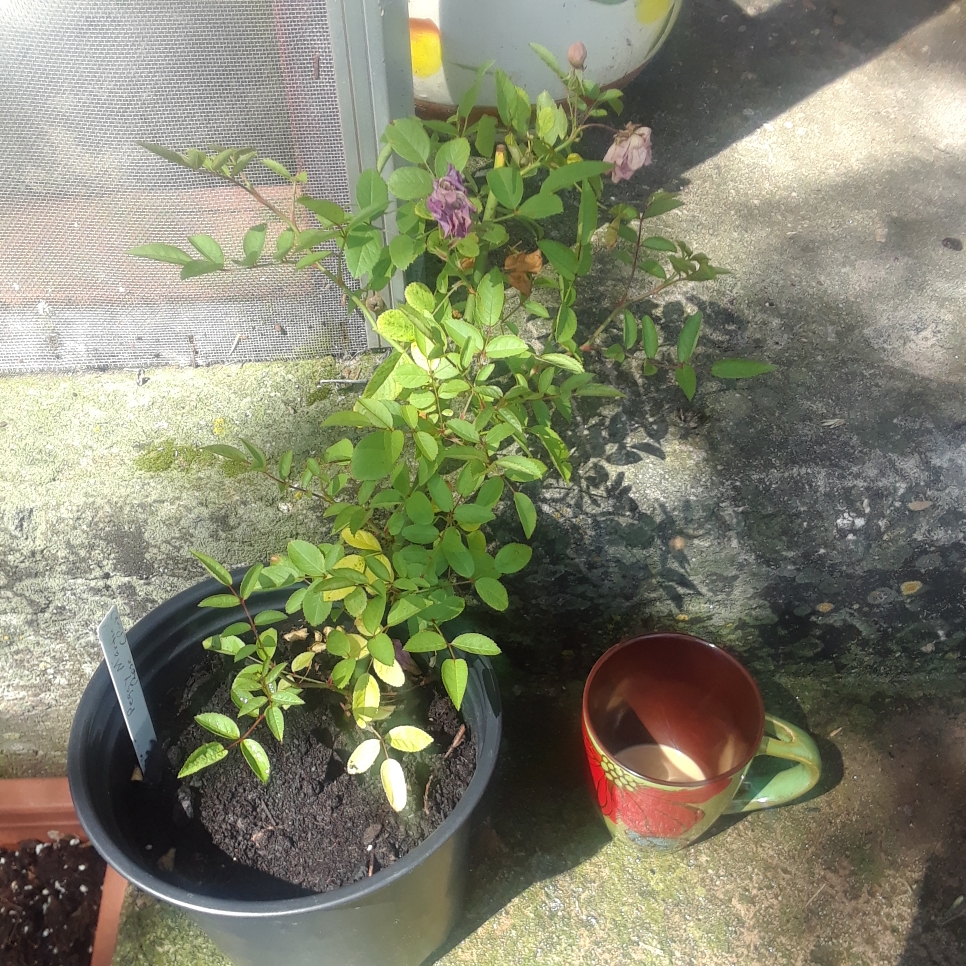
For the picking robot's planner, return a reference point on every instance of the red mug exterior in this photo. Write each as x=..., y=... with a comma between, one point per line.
x=679, y=691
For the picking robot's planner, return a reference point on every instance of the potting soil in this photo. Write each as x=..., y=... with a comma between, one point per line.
x=50, y=894
x=313, y=827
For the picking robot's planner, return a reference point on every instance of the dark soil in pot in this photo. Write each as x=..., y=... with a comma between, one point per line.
x=314, y=827
x=50, y=894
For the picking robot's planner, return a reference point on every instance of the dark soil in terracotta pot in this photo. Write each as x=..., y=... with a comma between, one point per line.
x=314, y=827
x=50, y=894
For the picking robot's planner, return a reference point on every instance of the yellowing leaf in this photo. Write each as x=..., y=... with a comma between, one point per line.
x=392, y=674
x=393, y=783
x=352, y=562
x=362, y=758
x=408, y=738
x=361, y=540
x=365, y=699
x=911, y=587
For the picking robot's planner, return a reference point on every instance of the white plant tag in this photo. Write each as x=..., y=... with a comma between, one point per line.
x=127, y=684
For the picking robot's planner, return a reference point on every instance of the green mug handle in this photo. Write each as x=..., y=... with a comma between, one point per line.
x=781, y=740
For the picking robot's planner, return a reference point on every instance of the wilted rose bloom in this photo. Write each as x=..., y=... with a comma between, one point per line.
x=577, y=55
x=450, y=205
x=631, y=150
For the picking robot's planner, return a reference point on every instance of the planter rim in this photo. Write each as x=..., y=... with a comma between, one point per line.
x=29, y=808
x=100, y=690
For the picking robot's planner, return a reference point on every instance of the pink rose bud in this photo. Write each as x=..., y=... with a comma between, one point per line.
x=577, y=55
x=631, y=150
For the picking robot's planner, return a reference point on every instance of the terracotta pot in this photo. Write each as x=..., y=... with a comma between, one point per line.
x=451, y=38
x=32, y=807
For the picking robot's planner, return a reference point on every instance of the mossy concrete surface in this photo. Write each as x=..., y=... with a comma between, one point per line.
x=813, y=520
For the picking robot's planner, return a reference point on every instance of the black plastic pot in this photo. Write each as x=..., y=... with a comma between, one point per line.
x=395, y=918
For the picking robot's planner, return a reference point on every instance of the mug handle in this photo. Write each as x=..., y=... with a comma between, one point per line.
x=781, y=740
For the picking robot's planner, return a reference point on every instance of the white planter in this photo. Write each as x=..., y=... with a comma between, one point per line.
x=451, y=38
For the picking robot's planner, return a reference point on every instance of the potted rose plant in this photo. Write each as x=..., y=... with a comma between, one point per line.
x=469, y=407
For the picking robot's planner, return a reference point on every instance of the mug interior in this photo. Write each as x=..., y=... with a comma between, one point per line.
x=678, y=691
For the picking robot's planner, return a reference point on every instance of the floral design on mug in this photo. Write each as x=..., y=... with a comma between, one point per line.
x=646, y=811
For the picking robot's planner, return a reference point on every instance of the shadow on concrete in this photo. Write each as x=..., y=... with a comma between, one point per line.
x=539, y=820
x=724, y=72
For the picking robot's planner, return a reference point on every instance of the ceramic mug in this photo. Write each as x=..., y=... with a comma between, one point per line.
x=671, y=726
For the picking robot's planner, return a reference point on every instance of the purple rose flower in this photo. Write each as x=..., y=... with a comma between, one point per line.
x=450, y=205
x=631, y=150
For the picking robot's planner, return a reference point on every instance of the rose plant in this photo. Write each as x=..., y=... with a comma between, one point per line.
x=465, y=409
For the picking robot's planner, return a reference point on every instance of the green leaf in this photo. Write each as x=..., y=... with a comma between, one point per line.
x=364, y=756
x=465, y=430
x=468, y=100
x=209, y=248
x=522, y=469
x=455, y=673
x=219, y=600
x=200, y=267
x=213, y=567
x=306, y=557
x=420, y=510
x=265, y=617
x=548, y=58
x=571, y=174
x=278, y=169
x=688, y=338
x=409, y=139
x=561, y=256
x=253, y=243
x=542, y=205
x=166, y=153
x=371, y=190
x=257, y=760
x=596, y=389
x=561, y=361
x=427, y=445
x=473, y=515
x=687, y=380
x=492, y=592
x=649, y=336
x=303, y=661
x=506, y=346
x=630, y=330
x=476, y=644
x=418, y=533
x=393, y=783
x=229, y=453
x=374, y=457
x=441, y=493
x=660, y=203
x=513, y=557
x=219, y=724
x=490, y=298
x=408, y=738
x=403, y=609
x=203, y=757
x=457, y=556
x=456, y=153
x=355, y=602
x=327, y=211
x=396, y=326
x=362, y=250
x=315, y=608
x=425, y=641
x=506, y=185
x=403, y=251
x=162, y=253
x=486, y=135
x=739, y=368
x=490, y=492
x=526, y=512
x=658, y=244
x=275, y=720
x=340, y=452
x=410, y=184
x=381, y=648
x=343, y=671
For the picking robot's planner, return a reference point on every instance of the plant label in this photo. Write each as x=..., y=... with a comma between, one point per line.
x=127, y=684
